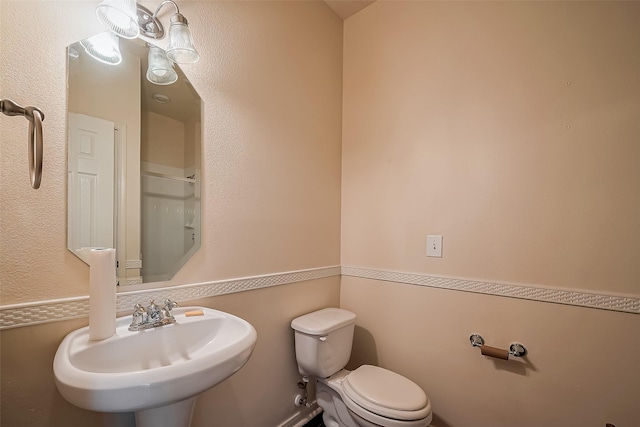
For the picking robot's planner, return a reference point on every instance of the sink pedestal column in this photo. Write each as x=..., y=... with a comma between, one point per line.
x=175, y=415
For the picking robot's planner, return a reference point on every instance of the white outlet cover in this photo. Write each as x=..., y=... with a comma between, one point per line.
x=434, y=245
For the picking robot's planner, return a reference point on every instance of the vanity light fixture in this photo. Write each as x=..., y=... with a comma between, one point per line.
x=119, y=17
x=120, y=14
x=105, y=47
x=160, y=70
x=181, y=48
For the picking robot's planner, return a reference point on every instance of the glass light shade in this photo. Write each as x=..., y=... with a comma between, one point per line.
x=105, y=47
x=160, y=70
x=119, y=16
x=181, y=48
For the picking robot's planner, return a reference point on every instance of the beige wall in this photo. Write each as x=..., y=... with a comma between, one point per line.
x=192, y=159
x=270, y=79
x=582, y=367
x=107, y=92
x=510, y=128
x=163, y=140
x=260, y=394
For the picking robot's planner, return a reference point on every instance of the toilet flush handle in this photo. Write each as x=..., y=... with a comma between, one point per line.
x=322, y=338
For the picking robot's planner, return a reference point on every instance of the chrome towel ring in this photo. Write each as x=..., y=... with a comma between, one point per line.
x=35, y=116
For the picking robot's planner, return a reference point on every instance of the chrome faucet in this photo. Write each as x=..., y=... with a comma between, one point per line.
x=152, y=316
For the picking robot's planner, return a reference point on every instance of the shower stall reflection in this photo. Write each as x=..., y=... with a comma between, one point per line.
x=170, y=222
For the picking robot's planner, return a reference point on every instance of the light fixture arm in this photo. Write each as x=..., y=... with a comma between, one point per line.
x=155, y=14
x=150, y=25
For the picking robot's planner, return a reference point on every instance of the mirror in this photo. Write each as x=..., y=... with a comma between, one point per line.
x=134, y=151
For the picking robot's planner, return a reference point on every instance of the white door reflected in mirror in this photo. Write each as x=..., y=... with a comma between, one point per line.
x=91, y=181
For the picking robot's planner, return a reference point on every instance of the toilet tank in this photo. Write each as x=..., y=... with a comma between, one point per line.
x=323, y=341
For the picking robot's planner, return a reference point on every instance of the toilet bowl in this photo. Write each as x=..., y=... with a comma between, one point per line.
x=369, y=396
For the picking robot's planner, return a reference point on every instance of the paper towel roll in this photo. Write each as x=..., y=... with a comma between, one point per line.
x=102, y=293
x=499, y=353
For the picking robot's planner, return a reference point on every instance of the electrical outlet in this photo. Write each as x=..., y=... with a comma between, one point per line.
x=434, y=246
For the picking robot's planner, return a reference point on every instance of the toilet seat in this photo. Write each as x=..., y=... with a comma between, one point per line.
x=373, y=392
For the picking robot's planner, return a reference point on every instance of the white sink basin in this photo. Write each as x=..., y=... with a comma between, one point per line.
x=136, y=371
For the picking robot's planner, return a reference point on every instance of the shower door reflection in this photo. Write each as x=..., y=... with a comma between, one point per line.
x=170, y=206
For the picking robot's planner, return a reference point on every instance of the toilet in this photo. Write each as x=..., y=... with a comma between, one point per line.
x=369, y=396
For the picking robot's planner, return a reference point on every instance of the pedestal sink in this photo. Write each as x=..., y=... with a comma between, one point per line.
x=156, y=373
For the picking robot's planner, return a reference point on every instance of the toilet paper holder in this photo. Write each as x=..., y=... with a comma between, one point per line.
x=515, y=349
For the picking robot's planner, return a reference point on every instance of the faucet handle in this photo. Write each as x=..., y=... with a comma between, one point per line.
x=139, y=312
x=165, y=314
x=139, y=317
x=170, y=304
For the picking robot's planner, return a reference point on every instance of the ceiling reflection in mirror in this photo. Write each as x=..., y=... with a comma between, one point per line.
x=134, y=150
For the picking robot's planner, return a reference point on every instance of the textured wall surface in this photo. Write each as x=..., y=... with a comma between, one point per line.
x=575, y=373
x=270, y=78
x=511, y=129
x=35, y=262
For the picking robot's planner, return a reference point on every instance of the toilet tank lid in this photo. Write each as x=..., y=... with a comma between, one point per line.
x=323, y=321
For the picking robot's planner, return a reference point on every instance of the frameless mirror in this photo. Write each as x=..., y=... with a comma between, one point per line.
x=134, y=150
